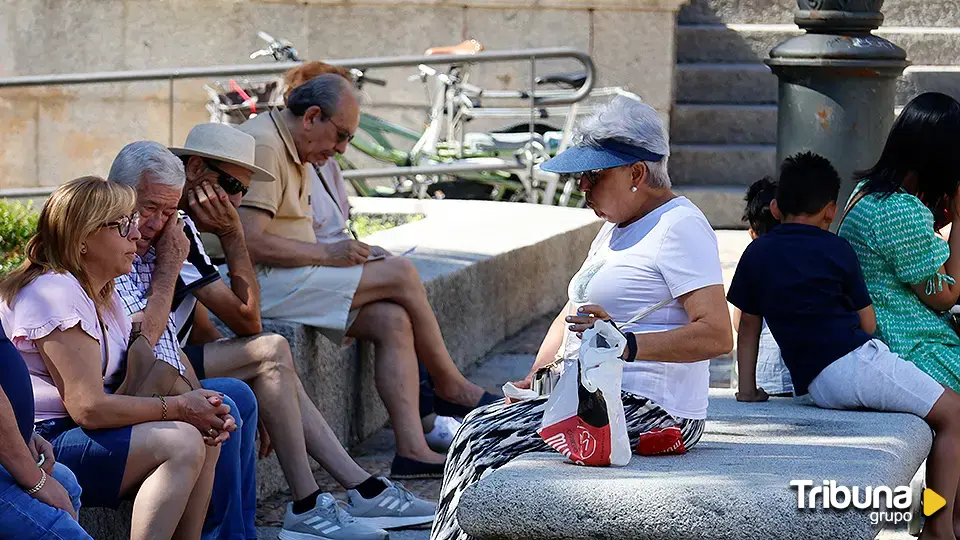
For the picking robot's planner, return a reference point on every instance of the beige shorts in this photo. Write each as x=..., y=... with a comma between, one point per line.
x=318, y=296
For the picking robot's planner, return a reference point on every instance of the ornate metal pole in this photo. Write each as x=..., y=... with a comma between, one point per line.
x=837, y=85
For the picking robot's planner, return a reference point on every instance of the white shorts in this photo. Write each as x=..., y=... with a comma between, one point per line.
x=872, y=377
x=318, y=296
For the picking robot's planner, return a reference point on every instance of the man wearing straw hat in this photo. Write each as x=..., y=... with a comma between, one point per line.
x=219, y=164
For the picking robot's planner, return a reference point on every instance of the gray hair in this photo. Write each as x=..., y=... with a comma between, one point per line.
x=147, y=158
x=631, y=122
x=324, y=91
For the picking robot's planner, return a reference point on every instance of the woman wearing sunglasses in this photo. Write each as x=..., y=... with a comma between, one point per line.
x=62, y=313
x=655, y=247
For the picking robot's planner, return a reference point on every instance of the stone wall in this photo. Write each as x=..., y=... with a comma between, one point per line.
x=53, y=134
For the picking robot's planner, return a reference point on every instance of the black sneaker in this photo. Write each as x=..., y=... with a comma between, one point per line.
x=445, y=408
x=404, y=468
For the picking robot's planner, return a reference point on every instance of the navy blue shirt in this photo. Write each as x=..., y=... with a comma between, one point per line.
x=806, y=282
x=15, y=381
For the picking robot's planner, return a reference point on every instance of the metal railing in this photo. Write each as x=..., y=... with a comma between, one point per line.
x=541, y=99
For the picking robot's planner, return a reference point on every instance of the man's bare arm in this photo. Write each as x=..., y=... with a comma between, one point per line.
x=272, y=250
x=172, y=249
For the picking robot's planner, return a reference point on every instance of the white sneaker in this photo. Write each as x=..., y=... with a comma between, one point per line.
x=327, y=521
x=441, y=436
x=394, y=508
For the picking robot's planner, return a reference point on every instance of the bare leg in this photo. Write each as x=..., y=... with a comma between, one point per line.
x=943, y=469
x=396, y=279
x=166, y=460
x=196, y=511
x=323, y=445
x=387, y=325
x=265, y=363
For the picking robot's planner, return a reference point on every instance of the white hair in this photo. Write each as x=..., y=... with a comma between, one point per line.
x=142, y=159
x=631, y=122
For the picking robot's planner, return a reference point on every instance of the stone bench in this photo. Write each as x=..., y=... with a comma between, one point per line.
x=733, y=485
x=489, y=269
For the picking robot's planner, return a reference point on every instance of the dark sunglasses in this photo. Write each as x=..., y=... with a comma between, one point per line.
x=343, y=136
x=124, y=224
x=229, y=184
x=592, y=176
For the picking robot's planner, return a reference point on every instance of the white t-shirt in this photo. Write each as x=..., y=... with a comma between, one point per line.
x=329, y=213
x=668, y=253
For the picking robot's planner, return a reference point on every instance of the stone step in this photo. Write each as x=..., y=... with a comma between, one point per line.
x=754, y=83
x=918, y=79
x=724, y=124
x=721, y=164
x=746, y=43
x=723, y=207
x=747, y=83
x=899, y=13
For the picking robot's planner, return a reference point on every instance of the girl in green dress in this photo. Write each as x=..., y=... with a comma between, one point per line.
x=892, y=222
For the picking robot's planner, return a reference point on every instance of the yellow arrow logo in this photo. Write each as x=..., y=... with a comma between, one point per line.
x=932, y=502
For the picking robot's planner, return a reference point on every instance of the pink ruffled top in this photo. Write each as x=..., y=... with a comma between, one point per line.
x=58, y=302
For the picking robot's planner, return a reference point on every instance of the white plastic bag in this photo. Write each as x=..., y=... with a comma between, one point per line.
x=584, y=419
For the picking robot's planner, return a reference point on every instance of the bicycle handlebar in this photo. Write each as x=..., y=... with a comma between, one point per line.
x=371, y=80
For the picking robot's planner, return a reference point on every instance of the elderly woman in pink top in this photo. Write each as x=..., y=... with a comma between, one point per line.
x=63, y=315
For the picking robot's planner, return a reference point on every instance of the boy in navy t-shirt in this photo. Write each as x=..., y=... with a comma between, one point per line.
x=806, y=282
x=770, y=374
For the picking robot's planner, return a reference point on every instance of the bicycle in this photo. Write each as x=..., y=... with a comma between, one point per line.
x=444, y=140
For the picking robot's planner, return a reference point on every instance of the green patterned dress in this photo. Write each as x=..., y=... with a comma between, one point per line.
x=897, y=246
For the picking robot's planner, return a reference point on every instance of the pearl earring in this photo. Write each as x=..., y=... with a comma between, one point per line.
x=633, y=189
x=83, y=250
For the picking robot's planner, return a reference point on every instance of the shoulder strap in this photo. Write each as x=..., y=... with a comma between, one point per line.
x=853, y=201
x=106, y=344
x=347, y=219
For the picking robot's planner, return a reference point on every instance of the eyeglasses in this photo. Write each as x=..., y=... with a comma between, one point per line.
x=343, y=136
x=124, y=224
x=227, y=181
x=592, y=176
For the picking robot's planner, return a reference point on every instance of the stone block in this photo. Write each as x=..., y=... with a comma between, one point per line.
x=722, y=44
x=725, y=83
x=734, y=484
x=724, y=124
x=80, y=137
x=505, y=29
x=175, y=33
x=722, y=205
x=746, y=44
x=661, y=5
x=738, y=11
x=902, y=13
x=18, y=155
x=713, y=165
x=636, y=49
x=61, y=36
x=919, y=79
x=345, y=31
x=108, y=524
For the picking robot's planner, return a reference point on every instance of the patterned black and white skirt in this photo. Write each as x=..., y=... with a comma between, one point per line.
x=492, y=436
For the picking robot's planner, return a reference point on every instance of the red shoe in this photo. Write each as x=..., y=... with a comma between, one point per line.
x=661, y=441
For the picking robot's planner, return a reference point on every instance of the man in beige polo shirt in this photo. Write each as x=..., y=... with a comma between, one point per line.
x=345, y=288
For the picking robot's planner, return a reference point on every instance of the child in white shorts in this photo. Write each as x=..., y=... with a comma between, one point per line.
x=806, y=283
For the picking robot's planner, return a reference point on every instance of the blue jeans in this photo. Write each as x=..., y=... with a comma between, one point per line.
x=233, y=505
x=23, y=517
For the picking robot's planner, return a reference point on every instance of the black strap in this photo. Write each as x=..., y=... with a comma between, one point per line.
x=336, y=203
x=853, y=201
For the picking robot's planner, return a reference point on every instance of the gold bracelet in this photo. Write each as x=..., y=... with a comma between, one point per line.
x=163, y=405
x=40, y=484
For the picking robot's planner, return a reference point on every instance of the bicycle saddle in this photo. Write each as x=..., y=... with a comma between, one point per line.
x=573, y=80
x=499, y=142
x=470, y=46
